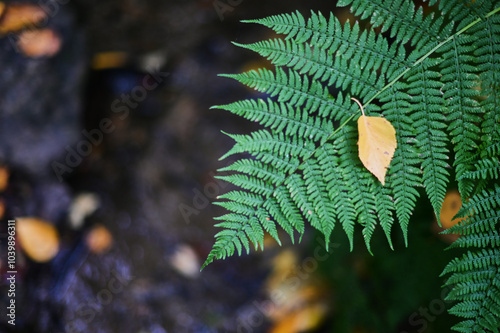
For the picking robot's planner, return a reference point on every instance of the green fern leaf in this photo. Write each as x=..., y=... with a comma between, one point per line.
x=436, y=78
x=475, y=278
x=429, y=122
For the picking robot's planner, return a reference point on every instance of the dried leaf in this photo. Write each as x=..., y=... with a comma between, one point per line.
x=298, y=301
x=19, y=16
x=39, y=43
x=301, y=320
x=2, y=8
x=4, y=178
x=99, y=239
x=105, y=60
x=38, y=238
x=2, y=208
x=185, y=261
x=284, y=263
x=451, y=205
x=82, y=206
x=377, y=143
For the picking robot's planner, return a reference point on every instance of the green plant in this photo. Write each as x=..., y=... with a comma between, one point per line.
x=435, y=76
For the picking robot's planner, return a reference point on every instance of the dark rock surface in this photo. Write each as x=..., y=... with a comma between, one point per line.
x=158, y=154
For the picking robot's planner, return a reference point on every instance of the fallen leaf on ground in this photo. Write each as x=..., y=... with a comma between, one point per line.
x=301, y=320
x=2, y=8
x=39, y=239
x=377, y=143
x=186, y=261
x=105, y=60
x=99, y=239
x=2, y=208
x=19, y=16
x=4, y=178
x=82, y=206
x=297, y=297
x=451, y=205
x=39, y=43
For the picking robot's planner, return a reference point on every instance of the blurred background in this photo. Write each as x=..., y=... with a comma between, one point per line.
x=108, y=153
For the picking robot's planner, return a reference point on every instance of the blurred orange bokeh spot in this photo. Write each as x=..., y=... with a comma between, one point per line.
x=451, y=205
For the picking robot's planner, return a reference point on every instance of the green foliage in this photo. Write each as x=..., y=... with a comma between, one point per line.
x=435, y=77
x=475, y=276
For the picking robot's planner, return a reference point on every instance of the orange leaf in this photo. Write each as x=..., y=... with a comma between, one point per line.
x=4, y=178
x=2, y=8
x=39, y=239
x=301, y=320
x=19, y=16
x=377, y=143
x=99, y=239
x=106, y=60
x=451, y=205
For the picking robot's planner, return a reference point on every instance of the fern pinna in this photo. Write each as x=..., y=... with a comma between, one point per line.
x=475, y=276
x=435, y=76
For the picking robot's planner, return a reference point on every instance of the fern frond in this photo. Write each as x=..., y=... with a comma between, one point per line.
x=476, y=179
x=404, y=174
x=281, y=117
x=488, y=168
x=358, y=182
x=319, y=52
x=475, y=224
x=491, y=238
x=481, y=202
x=278, y=144
x=318, y=196
x=256, y=168
x=487, y=46
x=429, y=122
x=490, y=149
x=369, y=50
x=294, y=89
x=406, y=23
x=297, y=188
x=290, y=214
x=317, y=63
x=436, y=78
x=337, y=188
x=475, y=278
x=464, y=12
x=385, y=206
x=476, y=285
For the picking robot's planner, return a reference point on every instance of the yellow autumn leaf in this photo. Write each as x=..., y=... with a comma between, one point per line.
x=376, y=143
x=38, y=239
